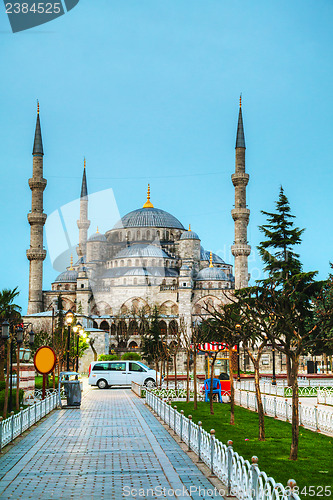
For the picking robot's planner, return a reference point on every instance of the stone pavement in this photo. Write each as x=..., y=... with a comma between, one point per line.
x=113, y=448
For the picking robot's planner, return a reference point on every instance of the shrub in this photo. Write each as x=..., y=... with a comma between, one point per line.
x=108, y=357
x=2, y=398
x=2, y=385
x=132, y=356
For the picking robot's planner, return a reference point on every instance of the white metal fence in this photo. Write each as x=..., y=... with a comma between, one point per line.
x=325, y=396
x=280, y=389
x=311, y=417
x=16, y=424
x=243, y=479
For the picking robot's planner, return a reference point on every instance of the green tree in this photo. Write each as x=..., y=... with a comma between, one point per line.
x=152, y=340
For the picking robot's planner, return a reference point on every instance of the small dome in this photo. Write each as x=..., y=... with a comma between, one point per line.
x=67, y=277
x=189, y=235
x=148, y=217
x=140, y=250
x=211, y=274
x=138, y=271
x=204, y=255
x=97, y=237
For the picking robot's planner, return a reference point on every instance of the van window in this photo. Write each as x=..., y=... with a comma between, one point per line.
x=119, y=367
x=135, y=368
x=100, y=367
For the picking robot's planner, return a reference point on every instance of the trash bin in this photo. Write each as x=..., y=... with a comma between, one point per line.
x=73, y=392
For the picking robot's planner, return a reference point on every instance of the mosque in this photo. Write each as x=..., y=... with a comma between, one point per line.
x=147, y=259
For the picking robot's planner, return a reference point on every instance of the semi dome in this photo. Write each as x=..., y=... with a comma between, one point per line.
x=189, y=235
x=97, y=237
x=149, y=217
x=67, y=277
x=204, y=255
x=141, y=250
x=211, y=274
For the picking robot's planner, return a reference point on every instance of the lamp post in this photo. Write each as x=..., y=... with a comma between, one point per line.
x=238, y=327
x=69, y=317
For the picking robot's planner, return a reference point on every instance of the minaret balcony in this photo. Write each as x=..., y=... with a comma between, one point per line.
x=240, y=214
x=240, y=249
x=83, y=224
x=37, y=183
x=36, y=254
x=37, y=218
x=240, y=179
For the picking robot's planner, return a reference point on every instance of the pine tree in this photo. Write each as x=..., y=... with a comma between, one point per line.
x=280, y=260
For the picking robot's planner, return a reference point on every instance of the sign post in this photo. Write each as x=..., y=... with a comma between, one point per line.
x=45, y=360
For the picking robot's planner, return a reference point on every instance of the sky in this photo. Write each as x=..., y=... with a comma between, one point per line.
x=148, y=91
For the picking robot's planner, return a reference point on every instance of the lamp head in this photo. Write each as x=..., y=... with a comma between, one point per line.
x=69, y=316
x=19, y=334
x=5, y=330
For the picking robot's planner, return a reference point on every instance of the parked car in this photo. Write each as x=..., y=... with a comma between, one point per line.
x=107, y=373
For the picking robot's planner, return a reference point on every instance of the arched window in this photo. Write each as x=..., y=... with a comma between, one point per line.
x=104, y=326
x=138, y=235
x=133, y=328
x=133, y=345
x=135, y=281
x=129, y=263
x=113, y=330
x=137, y=263
x=122, y=329
x=163, y=327
x=128, y=235
x=148, y=235
x=158, y=234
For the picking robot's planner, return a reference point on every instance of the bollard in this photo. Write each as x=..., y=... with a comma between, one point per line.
x=212, y=437
x=291, y=485
x=199, y=440
x=21, y=420
x=255, y=474
x=1, y=419
x=174, y=419
x=181, y=424
x=316, y=416
x=189, y=431
x=229, y=452
x=12, y=425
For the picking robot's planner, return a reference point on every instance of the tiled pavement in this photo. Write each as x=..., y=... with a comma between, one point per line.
x=112, y=448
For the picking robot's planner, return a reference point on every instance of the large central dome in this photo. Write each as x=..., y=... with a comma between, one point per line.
x=149, y=217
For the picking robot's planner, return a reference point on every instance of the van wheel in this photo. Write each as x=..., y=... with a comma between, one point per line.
x=102, y=384
x=150, y=383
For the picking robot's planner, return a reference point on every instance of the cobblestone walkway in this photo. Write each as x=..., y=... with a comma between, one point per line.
x=113, y=448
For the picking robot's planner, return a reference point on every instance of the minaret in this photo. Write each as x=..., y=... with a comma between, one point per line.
x=83, y=223
x=240, y=250
x=36, y=253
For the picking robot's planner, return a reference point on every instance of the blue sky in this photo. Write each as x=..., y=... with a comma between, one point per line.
x=148, y=92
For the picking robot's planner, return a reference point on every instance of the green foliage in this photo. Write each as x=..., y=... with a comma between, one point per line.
x=152, y=340
x=2, y=398
x=280, y=260
x=2, y=385
x=315, y=450
x=108, y=357
x=134, y=356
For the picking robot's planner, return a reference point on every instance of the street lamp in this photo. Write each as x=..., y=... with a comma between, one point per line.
x=238, y=327
x=69, y=317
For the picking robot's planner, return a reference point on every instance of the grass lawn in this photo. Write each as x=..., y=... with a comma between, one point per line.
x=313, y=467
x=39, y=382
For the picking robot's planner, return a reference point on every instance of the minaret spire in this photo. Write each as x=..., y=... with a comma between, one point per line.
x=83, y=223
x=36, y=217
x=240, y=250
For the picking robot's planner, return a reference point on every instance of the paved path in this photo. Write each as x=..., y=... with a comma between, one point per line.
x=106, y=450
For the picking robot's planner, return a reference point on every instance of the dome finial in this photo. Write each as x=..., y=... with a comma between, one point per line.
x=211, y=259
x=97, y=230
x=37, y=107
x=189, y=227
x=84, y=163
x=71, y=268
x=148, y=203
x=240, y=100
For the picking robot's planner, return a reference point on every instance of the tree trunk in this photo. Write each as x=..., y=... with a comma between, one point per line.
x=325, y=363
x=2, y=366
x=5, y=405
x=295, y=412
x=195, y=378
x=289, y=372
x=94, y=351
x=188, y=377
x=261, y=416
x=175, y=366
x=232, y=389
x=18, y=378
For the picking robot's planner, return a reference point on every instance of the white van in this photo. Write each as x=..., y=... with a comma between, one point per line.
x=107, y=373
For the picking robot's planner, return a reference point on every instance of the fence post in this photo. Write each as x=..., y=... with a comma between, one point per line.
x=240, y=397
x=229, y=453
x=169, y=415
x=189, y=431
x=199, y=440
x=21, y=420
x=247, y=399
x=255, y=473
x=12, y=425
x=1, y=419
x=212, y=438
x=181, y=424
x=174, y=419
x=264, y=404
x=286, y=408
x=35, y=413
x=316, y=416
x=300, y=412
x=291, y=485
x=275, y=415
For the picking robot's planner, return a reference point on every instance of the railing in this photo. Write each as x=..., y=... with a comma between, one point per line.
x=36, y=395
x=15, y=425
x=138, y=389
x=267, y=387
x=311, y=417
x=325, y=396
x=244, y=480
